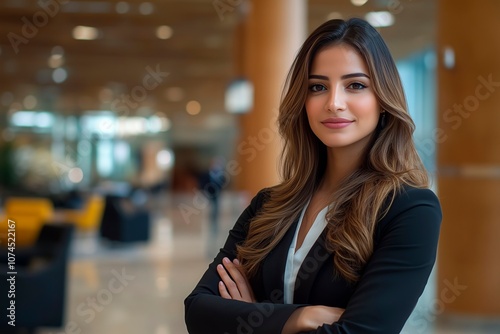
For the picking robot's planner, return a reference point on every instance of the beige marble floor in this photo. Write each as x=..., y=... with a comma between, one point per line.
x=141, y=288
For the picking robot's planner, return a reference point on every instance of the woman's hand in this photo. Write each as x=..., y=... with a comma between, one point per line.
x=309, y=318
x=234, y=283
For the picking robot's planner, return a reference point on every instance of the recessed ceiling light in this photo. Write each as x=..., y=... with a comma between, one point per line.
x=146, y=8
x=59, y=75
x=174, y=94
x=122, y=7
x=334, y=15
x=85, y=33
x=380, y=19
x=23, y=118
x=57, y=50
x=359, y=2
x=193, y=107
x=164, y=32
x=56, y=61
x=44, y=119
x=30, y=102
x=75, y=175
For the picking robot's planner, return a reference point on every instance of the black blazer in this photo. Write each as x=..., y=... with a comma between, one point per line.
x=405, y=243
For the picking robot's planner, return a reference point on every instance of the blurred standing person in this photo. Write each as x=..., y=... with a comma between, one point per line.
x=211, y=185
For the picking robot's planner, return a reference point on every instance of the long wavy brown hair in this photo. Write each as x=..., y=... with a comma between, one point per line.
x=363, y=197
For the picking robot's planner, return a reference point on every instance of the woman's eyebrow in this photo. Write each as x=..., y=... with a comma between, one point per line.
x=354, y=75
x=345, y=76
x=320, y=77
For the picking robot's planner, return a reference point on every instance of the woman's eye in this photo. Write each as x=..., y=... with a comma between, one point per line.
x=356, y=86
x=317, y=88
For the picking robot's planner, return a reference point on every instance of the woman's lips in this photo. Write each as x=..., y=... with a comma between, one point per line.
x=336, y=123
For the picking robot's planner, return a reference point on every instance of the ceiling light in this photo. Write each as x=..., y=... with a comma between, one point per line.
x=122, y=7
x=359, y=2
x=175, y=94
x=154, y=124
x=193, y=107
x=334, y=15
x=239, y=96
x=85, y=33
x=44, y=120
x=56, y=61
x=59, y=75
x=164, y=32
x=57, y=50
x=75, y=175
x=146, y=8
x=165, y=159
x=30, y=102
x=32, y=119
x=23, y=118
x=380, y=19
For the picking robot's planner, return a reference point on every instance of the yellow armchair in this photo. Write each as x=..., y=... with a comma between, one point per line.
x=89, y=217
x=29, y=214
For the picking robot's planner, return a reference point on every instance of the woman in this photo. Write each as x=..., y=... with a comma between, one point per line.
x=346, y=242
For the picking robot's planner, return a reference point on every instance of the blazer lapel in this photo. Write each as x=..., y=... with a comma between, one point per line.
x=306, y=276
x=273, y=268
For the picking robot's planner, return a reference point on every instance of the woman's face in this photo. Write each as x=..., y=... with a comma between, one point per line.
x=341, y=105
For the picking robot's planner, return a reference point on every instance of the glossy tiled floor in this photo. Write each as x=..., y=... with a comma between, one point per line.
x=141, y=288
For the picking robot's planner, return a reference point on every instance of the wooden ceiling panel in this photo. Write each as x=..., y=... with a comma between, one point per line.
x=198, y=56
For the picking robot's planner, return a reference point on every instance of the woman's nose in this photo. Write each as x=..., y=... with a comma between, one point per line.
x=336, y=102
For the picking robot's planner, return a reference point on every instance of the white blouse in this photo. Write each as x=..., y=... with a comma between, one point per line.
x=295, y=258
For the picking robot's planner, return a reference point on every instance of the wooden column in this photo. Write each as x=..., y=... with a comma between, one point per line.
x=469, y=156
x=273, y=34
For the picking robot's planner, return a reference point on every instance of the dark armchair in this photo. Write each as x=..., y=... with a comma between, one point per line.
x=123, y=221
x=40, y=282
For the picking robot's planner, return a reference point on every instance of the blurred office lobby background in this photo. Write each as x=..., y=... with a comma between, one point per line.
x=116, y=116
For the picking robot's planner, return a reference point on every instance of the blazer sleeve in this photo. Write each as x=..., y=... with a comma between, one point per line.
x=207, y=312
x=398, y=270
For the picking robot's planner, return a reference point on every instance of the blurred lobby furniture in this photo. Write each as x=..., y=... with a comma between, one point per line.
x=87, y=218
x=40, y=283
x=123, y=221
x=29, y=214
